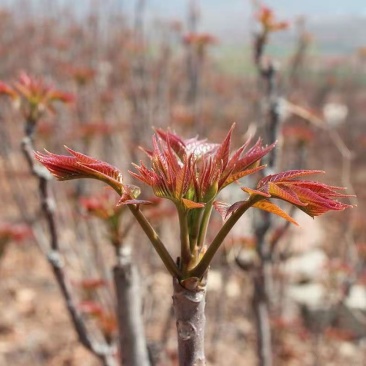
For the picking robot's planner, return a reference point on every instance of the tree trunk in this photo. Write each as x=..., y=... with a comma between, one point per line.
x=133, y=348
x=189, y=309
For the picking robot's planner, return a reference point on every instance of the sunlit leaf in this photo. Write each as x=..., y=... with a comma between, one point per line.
x=288, y=195
x=191, y=204
x=314, y=198
x=268, y=206
x=252, y=192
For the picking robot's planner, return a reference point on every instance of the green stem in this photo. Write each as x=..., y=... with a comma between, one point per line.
x=194, y=226
x=204, y=224
x=184, y=238
x=204, y=263
x=156, y=242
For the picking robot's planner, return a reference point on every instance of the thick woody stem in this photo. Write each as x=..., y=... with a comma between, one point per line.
x=133, y=348
x=189, y=309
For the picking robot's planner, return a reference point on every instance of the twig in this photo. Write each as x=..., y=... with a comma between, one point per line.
x=261, y=275
x=103, y=351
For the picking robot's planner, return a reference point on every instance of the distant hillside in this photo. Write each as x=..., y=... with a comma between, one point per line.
x=337, y=35
x=338, y=27
x=340, y=35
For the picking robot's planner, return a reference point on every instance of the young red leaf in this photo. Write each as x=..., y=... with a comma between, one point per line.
x=15, y=232
x=225, y=210
x=313, y=198
x=8, y=90
x=223, y=151
x=241, y=162
x=195, y=170
x=199, y=148
x=101, y=205
x=236, y=176
x=221, y=208
x=285, y=176
x=175, y=142
x=81, y=166
x=124, y=201
x=267, y=18
x=284, y=193
x=34, y=96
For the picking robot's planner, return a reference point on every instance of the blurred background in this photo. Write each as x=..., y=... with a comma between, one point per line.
x=132, y=65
